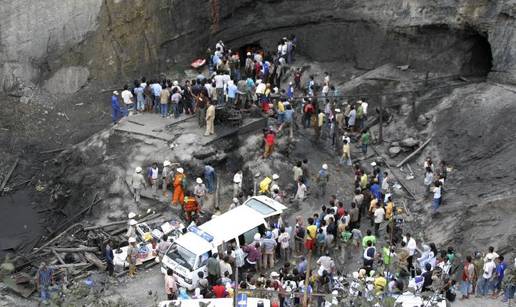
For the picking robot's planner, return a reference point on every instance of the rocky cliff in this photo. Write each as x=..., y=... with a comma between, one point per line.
x=49, y=43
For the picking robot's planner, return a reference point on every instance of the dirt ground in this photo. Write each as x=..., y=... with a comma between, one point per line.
x=104, y=159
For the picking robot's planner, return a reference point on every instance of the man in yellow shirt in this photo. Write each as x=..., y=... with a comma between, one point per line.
x=363, y=181
x=346, y=153
x=389, y=208
x=319, y=125
x=311, y=233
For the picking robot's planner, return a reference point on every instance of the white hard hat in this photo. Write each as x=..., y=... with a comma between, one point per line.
x=325, y=166
x=237, y=179
x=166, y=163
x=132, y=240
x=175, y=83
x=131, y=215
x=257, y=236
x=373, y=163
x=180, y=170
x=274, y=274
x=337, y=110
x=132, y=222
x=138, y=169
x=248, y=53
x=275, y=187
x=198, y=180
x=275, y=176
x=235, y=200
x=115, y=93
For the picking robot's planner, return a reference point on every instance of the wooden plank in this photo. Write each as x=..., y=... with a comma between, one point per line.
x=90, y=257
x=9, y=174
x=57, y=256
x=75, y=249
x=415, y=152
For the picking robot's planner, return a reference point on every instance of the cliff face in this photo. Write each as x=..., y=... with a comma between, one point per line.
x=112, y=39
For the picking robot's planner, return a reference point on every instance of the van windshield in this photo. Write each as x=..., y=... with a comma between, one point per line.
x=260, y=207
x=182, y=256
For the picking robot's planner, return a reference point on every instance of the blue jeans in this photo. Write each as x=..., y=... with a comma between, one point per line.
x=436, y=203
x=44, y=294
x=140, y=104
x=175, y=106
x=465, y=287
x=220, y=96
x=210, y=179
x=483, y=286
x=509, y=292
x=364, y=149
x=164, y=110
x=156, y=104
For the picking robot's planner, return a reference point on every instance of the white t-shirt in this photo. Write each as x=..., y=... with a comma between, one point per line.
x=364, y=107
x=237, y=179
x=219, y=81
x=126, y=97
x=489, y=268
x=379, y=215
x=437, y=192
x=260, y=89
x=411, y=246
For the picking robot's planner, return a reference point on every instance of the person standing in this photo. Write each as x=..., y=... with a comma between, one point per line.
x=200, y=191
x=166, y=176
x=510, y=284
x=140, y=100
x=232, y=92
x=270, y=140
x=128, y=98
x=138, y=183
x=210, y=120
x=323, y=177
x=379, y=215
x=132, y=256
x=365, y=140
x=488, y=272
x=269, y=247
x=190, y=206
x=152, y=176
x=213, y=268
x=44, y=279
x=108, y=253
x=411, y=247
x=468, y=273
x=170, y=285
x=298, y=171
x=284, y=241
x=179, y=187
x=176, y=99
x=237, y=183
x=156, y=91
x=346, y=153
x=116, y=112
x=209, y=176
x=164, y=96
x=436, y=200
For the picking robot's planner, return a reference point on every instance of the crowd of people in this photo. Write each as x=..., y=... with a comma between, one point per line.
x=351, y=248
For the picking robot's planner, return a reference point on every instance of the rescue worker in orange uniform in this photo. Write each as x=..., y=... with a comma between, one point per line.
x=190, y=206
x=179, y=188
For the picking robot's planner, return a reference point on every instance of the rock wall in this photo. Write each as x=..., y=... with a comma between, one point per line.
x=116, y=39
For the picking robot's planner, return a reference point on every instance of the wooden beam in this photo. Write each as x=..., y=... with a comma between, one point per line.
x=414, y=153
x=8, y=176
x=75, y=249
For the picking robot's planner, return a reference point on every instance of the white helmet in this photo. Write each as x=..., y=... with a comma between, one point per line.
x=132, y=222
x=138, y=170
x=180, y=170
x=325, y=166
x=275, y=176
x=131, y=215
x=132, y=240
x=166, y=163
x=235, y=200
x=198, y=180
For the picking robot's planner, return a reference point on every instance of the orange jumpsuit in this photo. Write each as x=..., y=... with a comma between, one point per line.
x=190, y=206
x=179, y=193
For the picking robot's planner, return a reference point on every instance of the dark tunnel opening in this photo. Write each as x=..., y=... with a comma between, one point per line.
x=480, y=57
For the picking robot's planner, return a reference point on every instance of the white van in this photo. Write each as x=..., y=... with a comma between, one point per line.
x=189, y=253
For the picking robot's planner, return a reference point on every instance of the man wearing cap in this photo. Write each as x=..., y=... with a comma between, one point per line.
x=132, y=253
x=269, y=247
x=322, y=179
x=131, y=228
x=200, y=191
x=485, y=281
x=237, y=183
x=179, y=187
x=138, y=183
x=166, y=176
x=116, y=112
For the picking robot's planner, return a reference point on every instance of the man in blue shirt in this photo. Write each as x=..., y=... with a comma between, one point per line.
x=209, y=177
x=116, y=112
x=44, y=279
x=156, y=93
x=232, y=91
x=108, y=253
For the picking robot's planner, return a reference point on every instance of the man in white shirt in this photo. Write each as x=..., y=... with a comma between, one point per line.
x=219, y=87
x=379, y=215
x=487, y=276
x=411, y=247
x=325, y=264
x=127, y=98
x=237, y=183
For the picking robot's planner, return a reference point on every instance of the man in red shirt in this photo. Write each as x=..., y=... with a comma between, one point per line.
x=219, y=290
x=270, y=139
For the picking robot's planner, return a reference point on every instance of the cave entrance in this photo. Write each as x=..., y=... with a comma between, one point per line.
x=251, y=47
x=480, y=57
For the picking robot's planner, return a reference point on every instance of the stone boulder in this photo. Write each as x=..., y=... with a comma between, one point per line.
x=67, y=80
